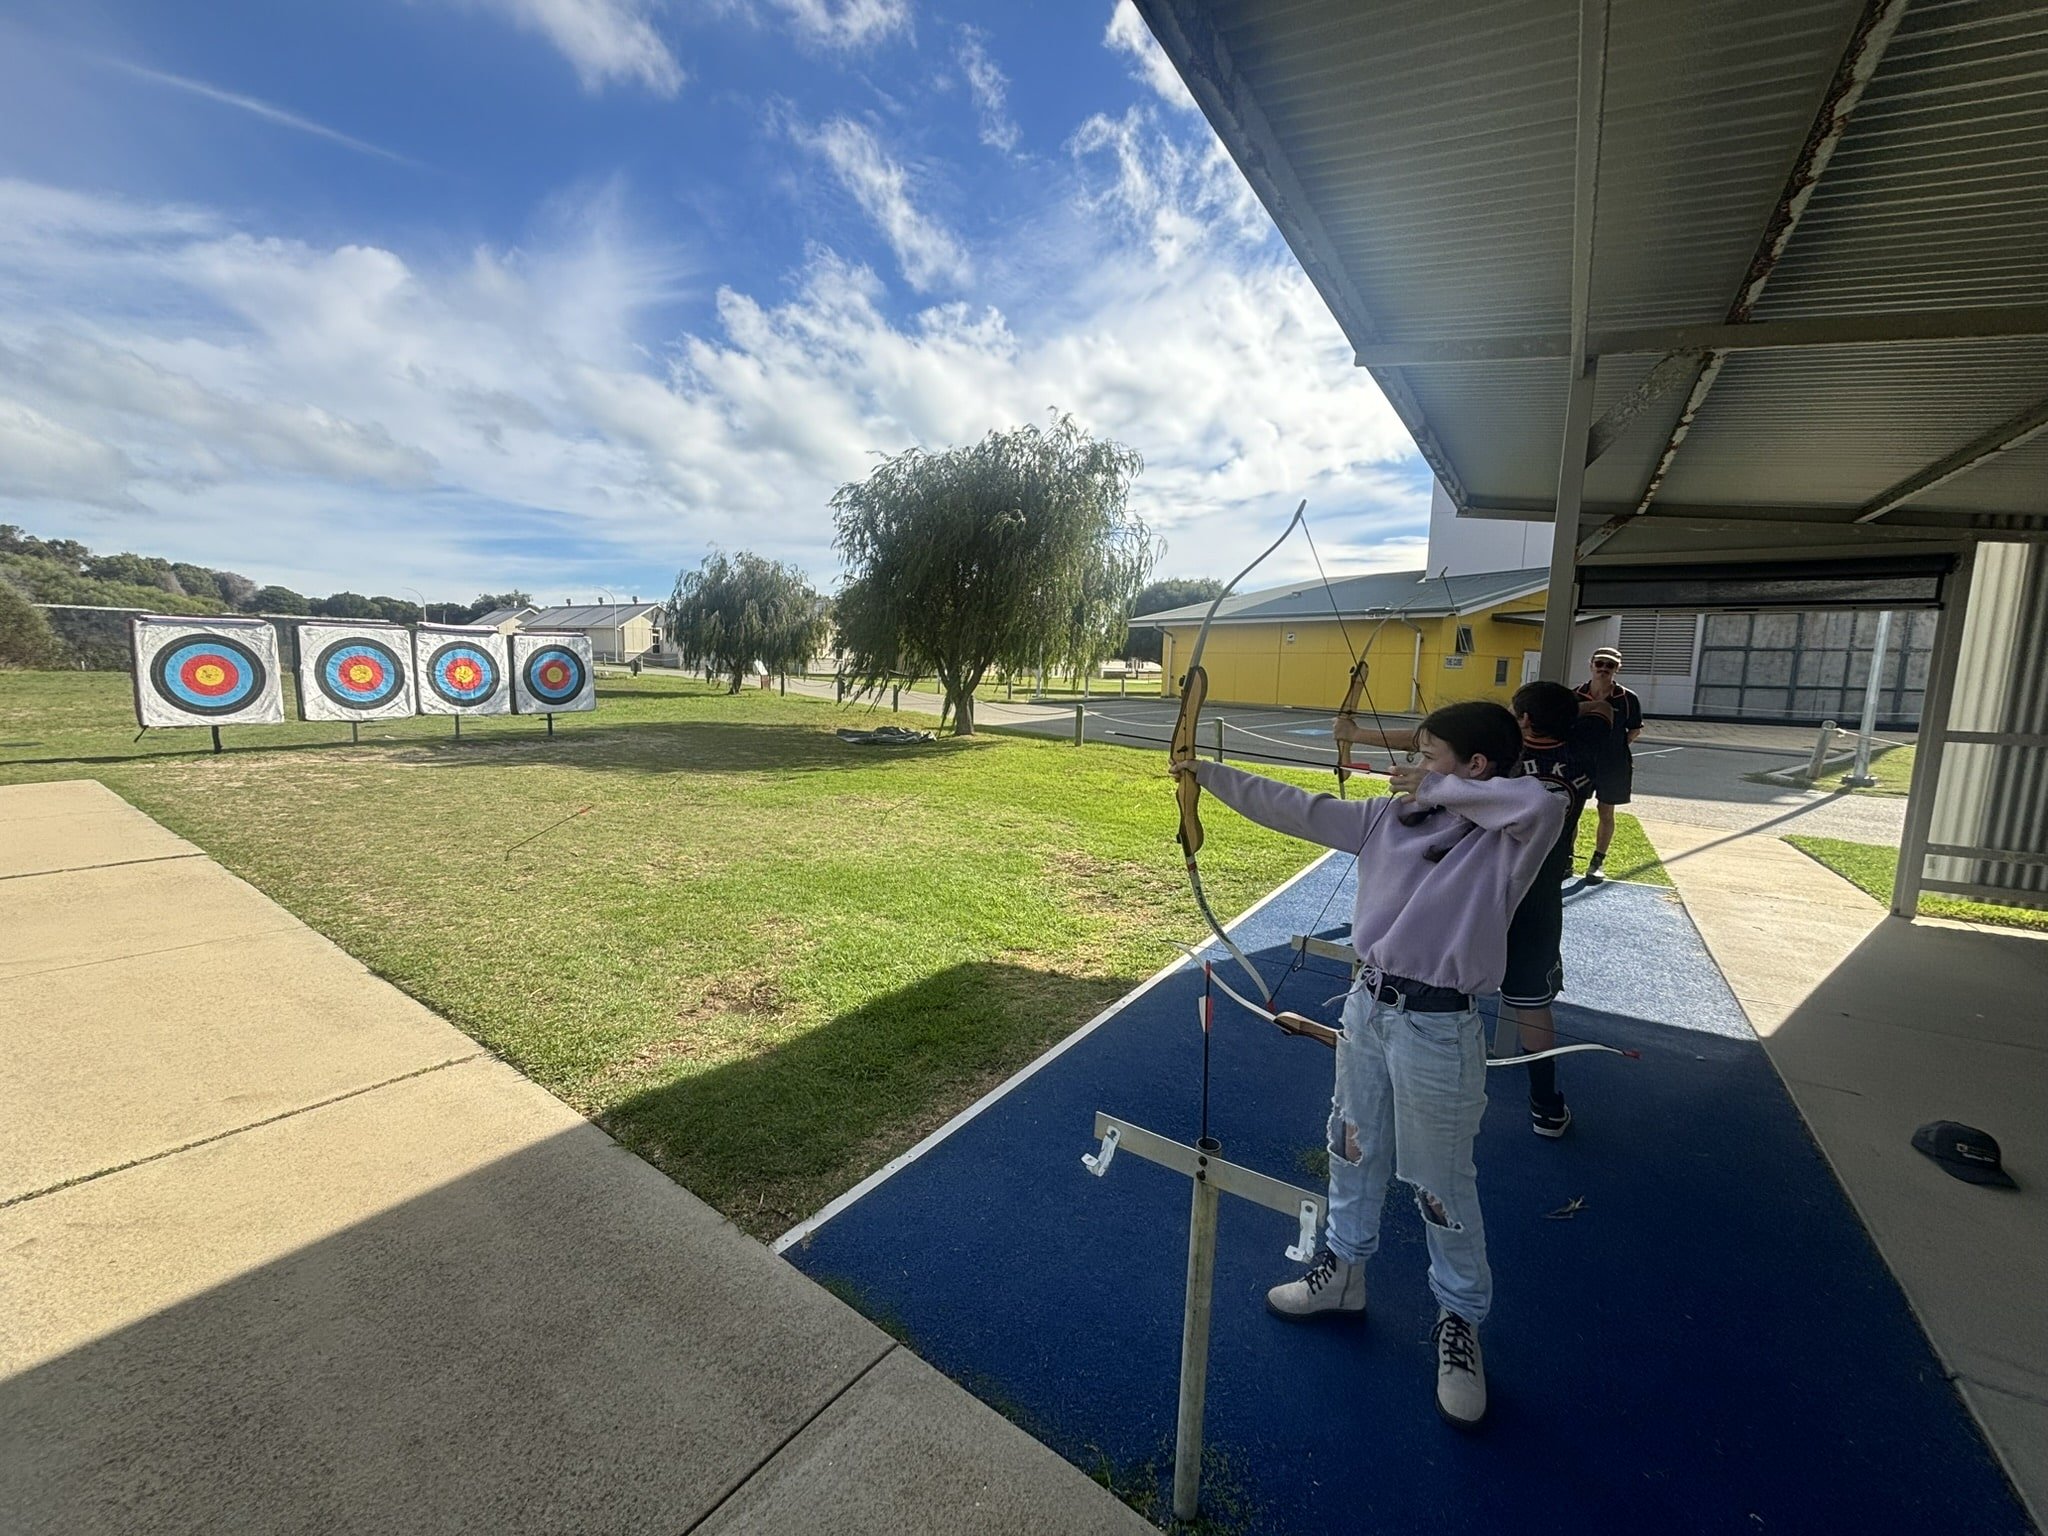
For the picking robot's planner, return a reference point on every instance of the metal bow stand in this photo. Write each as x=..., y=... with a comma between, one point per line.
x=1213, y=1178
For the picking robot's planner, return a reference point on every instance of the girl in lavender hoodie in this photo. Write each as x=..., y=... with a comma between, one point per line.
x=1441, y=867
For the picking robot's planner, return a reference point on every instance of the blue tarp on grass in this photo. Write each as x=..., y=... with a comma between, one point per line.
x=1711, y=1344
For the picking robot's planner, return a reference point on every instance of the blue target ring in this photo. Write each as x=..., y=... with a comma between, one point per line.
x=359, y=673
x=462, y=673
x=554, y=674
x=207, y=675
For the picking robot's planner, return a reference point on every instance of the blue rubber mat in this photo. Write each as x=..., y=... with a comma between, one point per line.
x=1709, y=1344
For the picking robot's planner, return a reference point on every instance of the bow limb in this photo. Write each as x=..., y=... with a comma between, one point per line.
x=1347, y=715
x=1194, y=692
x=1561, y=1050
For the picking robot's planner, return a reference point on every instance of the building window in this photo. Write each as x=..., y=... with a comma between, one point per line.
x=1464, y=639
x=1500, y=671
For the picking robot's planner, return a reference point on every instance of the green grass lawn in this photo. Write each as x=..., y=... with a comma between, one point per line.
x=1892, y=767
x=1872, y=867
x=763, y=959
x=1629, y=856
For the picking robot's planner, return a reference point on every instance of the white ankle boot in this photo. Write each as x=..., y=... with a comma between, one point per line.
x=1332, y=1285
x=1460, y=1371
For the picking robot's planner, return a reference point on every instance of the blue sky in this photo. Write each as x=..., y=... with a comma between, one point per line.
x=469, y=294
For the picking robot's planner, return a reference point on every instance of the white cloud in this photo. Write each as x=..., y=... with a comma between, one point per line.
x=1128, y=35
x=845, y=24
x=991, y=88
x=926, y=250
x=41, y=458
x=349, y=416
x=64, y=370
x=1178, y=199
x=606, y=40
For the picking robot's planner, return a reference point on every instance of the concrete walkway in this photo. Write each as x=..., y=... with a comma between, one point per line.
x=283, y=1251
x=1878, y=1026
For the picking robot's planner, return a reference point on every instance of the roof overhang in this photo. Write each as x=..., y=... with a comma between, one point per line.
x=1761, y=280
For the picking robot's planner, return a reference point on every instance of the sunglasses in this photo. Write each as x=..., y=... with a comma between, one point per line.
x=1605, y=666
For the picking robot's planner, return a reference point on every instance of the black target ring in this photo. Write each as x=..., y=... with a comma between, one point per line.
x=359, y=673
x=208, y=674
x=554, y=674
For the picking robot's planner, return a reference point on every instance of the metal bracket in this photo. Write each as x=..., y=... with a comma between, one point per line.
x=1311, y=1219
x=1097, y=1163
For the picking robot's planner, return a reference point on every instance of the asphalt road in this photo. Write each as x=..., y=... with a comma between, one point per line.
x=1700, y=784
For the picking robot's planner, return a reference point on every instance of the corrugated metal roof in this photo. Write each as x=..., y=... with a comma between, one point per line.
x=498, y=616
x=1414, y=593
x=594, y=616
x=1419, y=159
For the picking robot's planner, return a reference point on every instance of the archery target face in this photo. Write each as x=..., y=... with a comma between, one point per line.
x=462, y=671
x=551, y=673
x=355, y=672
x=200, y=672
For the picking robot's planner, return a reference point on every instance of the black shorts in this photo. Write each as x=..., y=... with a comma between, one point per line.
x=1613, y=780
x=1535, y=973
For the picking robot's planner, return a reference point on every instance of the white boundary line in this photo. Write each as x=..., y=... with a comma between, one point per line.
x=805, y=1228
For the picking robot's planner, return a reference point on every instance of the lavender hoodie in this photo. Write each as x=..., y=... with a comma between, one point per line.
x=1435, y=892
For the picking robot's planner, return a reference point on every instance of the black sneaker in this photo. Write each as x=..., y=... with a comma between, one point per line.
x=1594, y=874
x=1550, y=1120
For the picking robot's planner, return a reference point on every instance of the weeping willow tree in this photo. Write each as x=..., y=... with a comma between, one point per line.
x=734, y=611
x=1013, y=553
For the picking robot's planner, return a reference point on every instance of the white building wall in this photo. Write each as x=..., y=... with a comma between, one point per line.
x=1469, y=545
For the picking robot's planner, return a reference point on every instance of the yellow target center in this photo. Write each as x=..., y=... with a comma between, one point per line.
x=210, y=674
x=361, y=675
x=464, y=673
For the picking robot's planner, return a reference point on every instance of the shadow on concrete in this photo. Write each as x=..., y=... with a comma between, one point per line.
x=1923, y=1022
x=799, y=1122
x=559, y=1341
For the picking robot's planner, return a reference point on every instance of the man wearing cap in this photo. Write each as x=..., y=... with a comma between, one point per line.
x=1614, y=766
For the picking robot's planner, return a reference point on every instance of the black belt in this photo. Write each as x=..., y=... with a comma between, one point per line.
x=1415, y=996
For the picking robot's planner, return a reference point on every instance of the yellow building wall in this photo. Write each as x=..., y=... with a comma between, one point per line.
x=1307, y=663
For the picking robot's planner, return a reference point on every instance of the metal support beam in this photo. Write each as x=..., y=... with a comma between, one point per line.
x=1859, y=63
x=2000, y=323
x=1932, y=742
x=2003, y=438
x=1656, y=384
x=1561, y=600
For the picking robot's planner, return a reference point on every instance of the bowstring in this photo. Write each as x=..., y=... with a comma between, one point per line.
x=1365, y=692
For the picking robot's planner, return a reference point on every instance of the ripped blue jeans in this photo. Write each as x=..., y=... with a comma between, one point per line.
x=1411, y=1088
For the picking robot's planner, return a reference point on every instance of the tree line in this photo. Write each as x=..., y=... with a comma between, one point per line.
x=64, y=571
x=1013, y=555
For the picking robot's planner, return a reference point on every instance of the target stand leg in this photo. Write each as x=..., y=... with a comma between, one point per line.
x=458, y=726
x=216, y=738
x=1212, y=1178
x=355, y=733
x=551, y=724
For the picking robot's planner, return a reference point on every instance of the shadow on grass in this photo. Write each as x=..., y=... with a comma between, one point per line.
x=770, y=1137
x=665, y=746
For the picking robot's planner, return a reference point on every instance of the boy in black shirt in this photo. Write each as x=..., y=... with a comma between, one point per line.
x=1555, y=746
x=1604, y=699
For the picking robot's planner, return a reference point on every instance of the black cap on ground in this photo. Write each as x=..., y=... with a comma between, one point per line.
x=1964, y=1152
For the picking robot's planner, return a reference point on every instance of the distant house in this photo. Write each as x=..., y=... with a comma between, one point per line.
x=505, y=620
x=617, y=631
